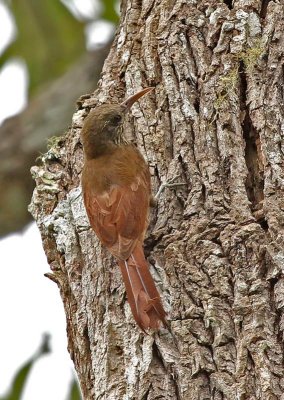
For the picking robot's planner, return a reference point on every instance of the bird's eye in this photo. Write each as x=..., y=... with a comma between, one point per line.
x=116, y=119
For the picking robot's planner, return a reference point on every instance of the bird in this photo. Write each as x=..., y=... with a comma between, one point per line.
x=116, y=189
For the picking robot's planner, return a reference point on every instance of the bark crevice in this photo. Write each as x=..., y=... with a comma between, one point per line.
x=255, y=179
x=263, y=10
x=229, y=4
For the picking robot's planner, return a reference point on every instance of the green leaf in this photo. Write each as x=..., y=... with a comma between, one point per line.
x=109, y=13
x=21, y=377
x=49, y=38
x=74, y=393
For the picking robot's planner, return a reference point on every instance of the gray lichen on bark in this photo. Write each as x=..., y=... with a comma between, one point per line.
x=216, y=246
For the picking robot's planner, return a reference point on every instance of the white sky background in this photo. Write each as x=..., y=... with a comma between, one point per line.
x=31, y=306
x=30, y=303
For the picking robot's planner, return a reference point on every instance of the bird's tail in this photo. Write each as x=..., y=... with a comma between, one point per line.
x=143, y=296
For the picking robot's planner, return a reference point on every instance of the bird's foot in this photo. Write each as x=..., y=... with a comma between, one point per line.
x=170, y=184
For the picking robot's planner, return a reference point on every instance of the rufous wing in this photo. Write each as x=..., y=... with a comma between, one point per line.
x=119, y=216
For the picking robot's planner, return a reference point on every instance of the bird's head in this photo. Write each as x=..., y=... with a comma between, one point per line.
x=102, y=127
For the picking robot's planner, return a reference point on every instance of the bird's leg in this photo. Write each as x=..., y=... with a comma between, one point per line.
x=168, y=184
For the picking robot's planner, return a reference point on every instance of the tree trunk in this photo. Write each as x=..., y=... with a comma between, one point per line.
x=216, y=245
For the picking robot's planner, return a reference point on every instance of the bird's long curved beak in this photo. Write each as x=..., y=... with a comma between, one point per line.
x=132, y=99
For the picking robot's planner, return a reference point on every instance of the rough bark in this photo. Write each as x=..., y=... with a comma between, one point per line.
x=216, y=246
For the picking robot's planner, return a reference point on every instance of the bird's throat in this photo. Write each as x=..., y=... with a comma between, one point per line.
x=98, y=149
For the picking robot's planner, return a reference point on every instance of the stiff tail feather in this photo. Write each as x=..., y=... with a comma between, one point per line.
x=143, y=296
